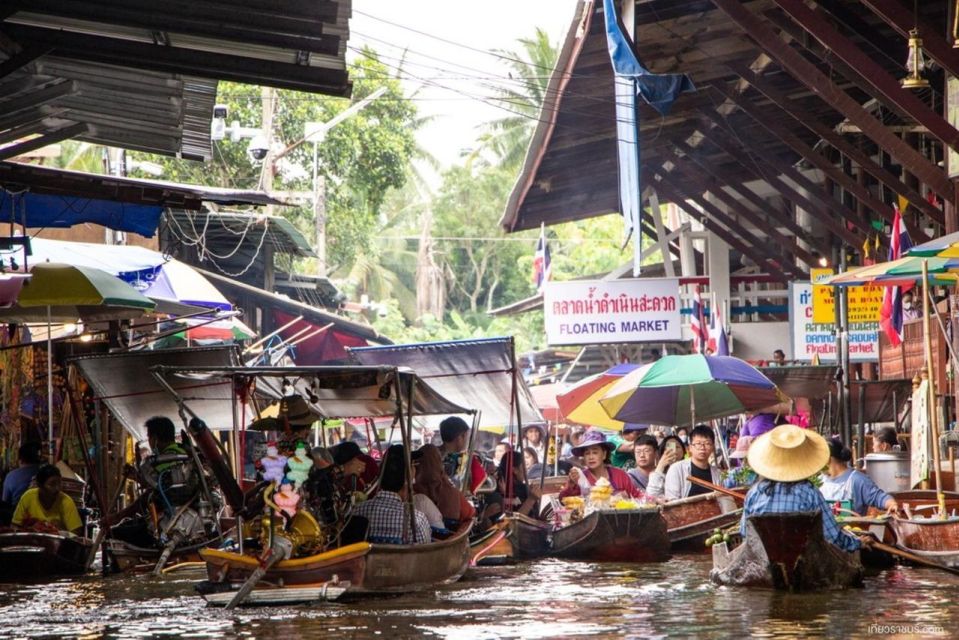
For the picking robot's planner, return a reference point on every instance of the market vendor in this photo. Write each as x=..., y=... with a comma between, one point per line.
x=595, y=451
x=843, y=483
x=18, y=481
x=785, y=459
x=48, y=504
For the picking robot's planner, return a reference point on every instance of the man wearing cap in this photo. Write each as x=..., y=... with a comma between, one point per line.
x=785, y=459
x=622, y=455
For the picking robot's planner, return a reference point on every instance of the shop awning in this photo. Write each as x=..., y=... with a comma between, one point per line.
x=477, y=374
x=124, y=383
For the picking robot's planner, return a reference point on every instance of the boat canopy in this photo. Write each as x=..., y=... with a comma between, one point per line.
x=331, y=391
x=125, y=385
x=477, y=374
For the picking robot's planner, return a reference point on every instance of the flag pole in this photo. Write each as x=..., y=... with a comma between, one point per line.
x=933, y=405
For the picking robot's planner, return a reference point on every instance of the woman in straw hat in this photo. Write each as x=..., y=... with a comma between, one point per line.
x=785, y=458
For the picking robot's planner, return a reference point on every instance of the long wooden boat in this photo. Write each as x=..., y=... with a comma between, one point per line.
x=689, y=521
x=28, y=555
x=930, y=538
x=369, y=567
x=516, y=537
x=614, y=535
x=923, y=499
x=786, y=551
x=131, y=558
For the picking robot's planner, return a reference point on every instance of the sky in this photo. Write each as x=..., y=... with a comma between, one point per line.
x=453, y=78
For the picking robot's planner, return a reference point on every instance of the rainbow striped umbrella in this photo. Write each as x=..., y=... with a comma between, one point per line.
x=581, y=403
x=945, y=247
x=679, y=390
x=905, y=270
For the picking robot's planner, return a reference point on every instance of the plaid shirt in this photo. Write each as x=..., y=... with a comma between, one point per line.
x=784, y=497
x=389, y=520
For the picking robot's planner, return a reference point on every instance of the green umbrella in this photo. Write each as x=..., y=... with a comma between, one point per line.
x=68, y=293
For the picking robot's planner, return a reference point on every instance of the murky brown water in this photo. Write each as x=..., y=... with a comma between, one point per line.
x=545, y=599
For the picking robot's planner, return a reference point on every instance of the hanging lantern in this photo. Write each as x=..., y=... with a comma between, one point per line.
x=915, y=64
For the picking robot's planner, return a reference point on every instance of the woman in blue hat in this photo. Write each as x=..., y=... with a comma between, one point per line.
x=595, y=451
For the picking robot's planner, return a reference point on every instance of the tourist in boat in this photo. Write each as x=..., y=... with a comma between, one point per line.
x=348, y=452
x=702, y=443
x=644, y=454
x=683, y=434
x=758, y=423
x=431, y=481
x=671, y=450
x=534, y=437
x=387, y=513
x=574, y=438
x=885, y=440
x=530, y=458
x=499, y=451
x=47, y=504
x=622, y=456
x=18, y=481
x=785, y=459
x=514, y=488
x=842, y=483
x=595, y=451
x=169, y=471
x=454, y=432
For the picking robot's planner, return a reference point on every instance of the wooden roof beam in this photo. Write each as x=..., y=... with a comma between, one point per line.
x=816, y=191
x=835, y=140
x=903, y=21
x=71, y=130
x=815, y=158
x=715, y=187
x=748, y=195
x=807, y=73
x=887, y=86
x=711, y=220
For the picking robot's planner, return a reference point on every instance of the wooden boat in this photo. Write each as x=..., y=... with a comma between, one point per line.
x=786, y=551
x=930, y=538
x=689, y=521
x=302, y=594
x=921, y=499
x=515, y=537
x=34, y=555
x=129, y=557
x=369, y=567
x=614, y=535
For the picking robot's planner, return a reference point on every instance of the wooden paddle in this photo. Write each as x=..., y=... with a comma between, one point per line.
x=715, y=487
x=895, y=551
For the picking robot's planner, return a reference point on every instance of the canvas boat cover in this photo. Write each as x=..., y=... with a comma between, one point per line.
x=123, y=381
x=332, y=392
x=811, y=382
x=477, y=374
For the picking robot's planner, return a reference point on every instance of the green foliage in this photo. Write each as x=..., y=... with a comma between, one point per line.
x=362, y=158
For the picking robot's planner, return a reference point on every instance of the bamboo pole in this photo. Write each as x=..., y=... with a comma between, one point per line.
x=932, y=403
x=271, y=334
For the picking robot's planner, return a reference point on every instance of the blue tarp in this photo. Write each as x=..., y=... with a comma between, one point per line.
x=37, y=211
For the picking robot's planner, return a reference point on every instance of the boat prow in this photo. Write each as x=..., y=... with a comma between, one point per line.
x=614, y=535
x=930, y=538
x=515, y=537
x=303, y=594
x=786, y=551
x=29, y=555
x=689, y=521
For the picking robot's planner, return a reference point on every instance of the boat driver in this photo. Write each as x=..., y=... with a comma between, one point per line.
x=170, y=471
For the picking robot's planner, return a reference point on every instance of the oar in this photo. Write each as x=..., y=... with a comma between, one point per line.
x=895, y=551
x=715, y=487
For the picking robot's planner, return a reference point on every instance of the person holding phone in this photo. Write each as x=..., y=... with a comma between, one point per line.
x=671, y=450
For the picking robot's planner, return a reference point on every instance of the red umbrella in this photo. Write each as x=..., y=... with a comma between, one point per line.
x=580, y=403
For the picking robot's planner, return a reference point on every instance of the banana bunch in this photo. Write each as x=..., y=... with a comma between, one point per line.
x=573, y=502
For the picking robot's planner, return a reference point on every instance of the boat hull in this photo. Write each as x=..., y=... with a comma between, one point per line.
x=614, y=535
x=934, y=540
x=690, y=521
x=787, y=551
x=369, y=568
x=131, y=558
x=27, y=555
x=513, y=539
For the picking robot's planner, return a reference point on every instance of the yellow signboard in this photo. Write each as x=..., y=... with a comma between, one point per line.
x=864, y=302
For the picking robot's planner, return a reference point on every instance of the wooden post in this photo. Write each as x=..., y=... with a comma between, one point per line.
x=933, y=413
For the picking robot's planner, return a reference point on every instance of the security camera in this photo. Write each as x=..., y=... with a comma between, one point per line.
x=258, y=148
x=218, y=125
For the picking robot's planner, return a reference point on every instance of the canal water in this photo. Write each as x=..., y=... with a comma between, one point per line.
x=545, y=599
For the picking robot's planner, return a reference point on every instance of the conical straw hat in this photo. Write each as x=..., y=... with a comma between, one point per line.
x=788, y=454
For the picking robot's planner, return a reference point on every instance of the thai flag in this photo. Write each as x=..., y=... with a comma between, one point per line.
x=541, y=266
x=718, y=338
x=890, y=315
x=698, y=323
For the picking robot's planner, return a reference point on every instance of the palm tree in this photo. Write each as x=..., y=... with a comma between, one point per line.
x=529, y=72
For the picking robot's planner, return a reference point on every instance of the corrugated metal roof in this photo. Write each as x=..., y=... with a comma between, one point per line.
x=222, y=230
